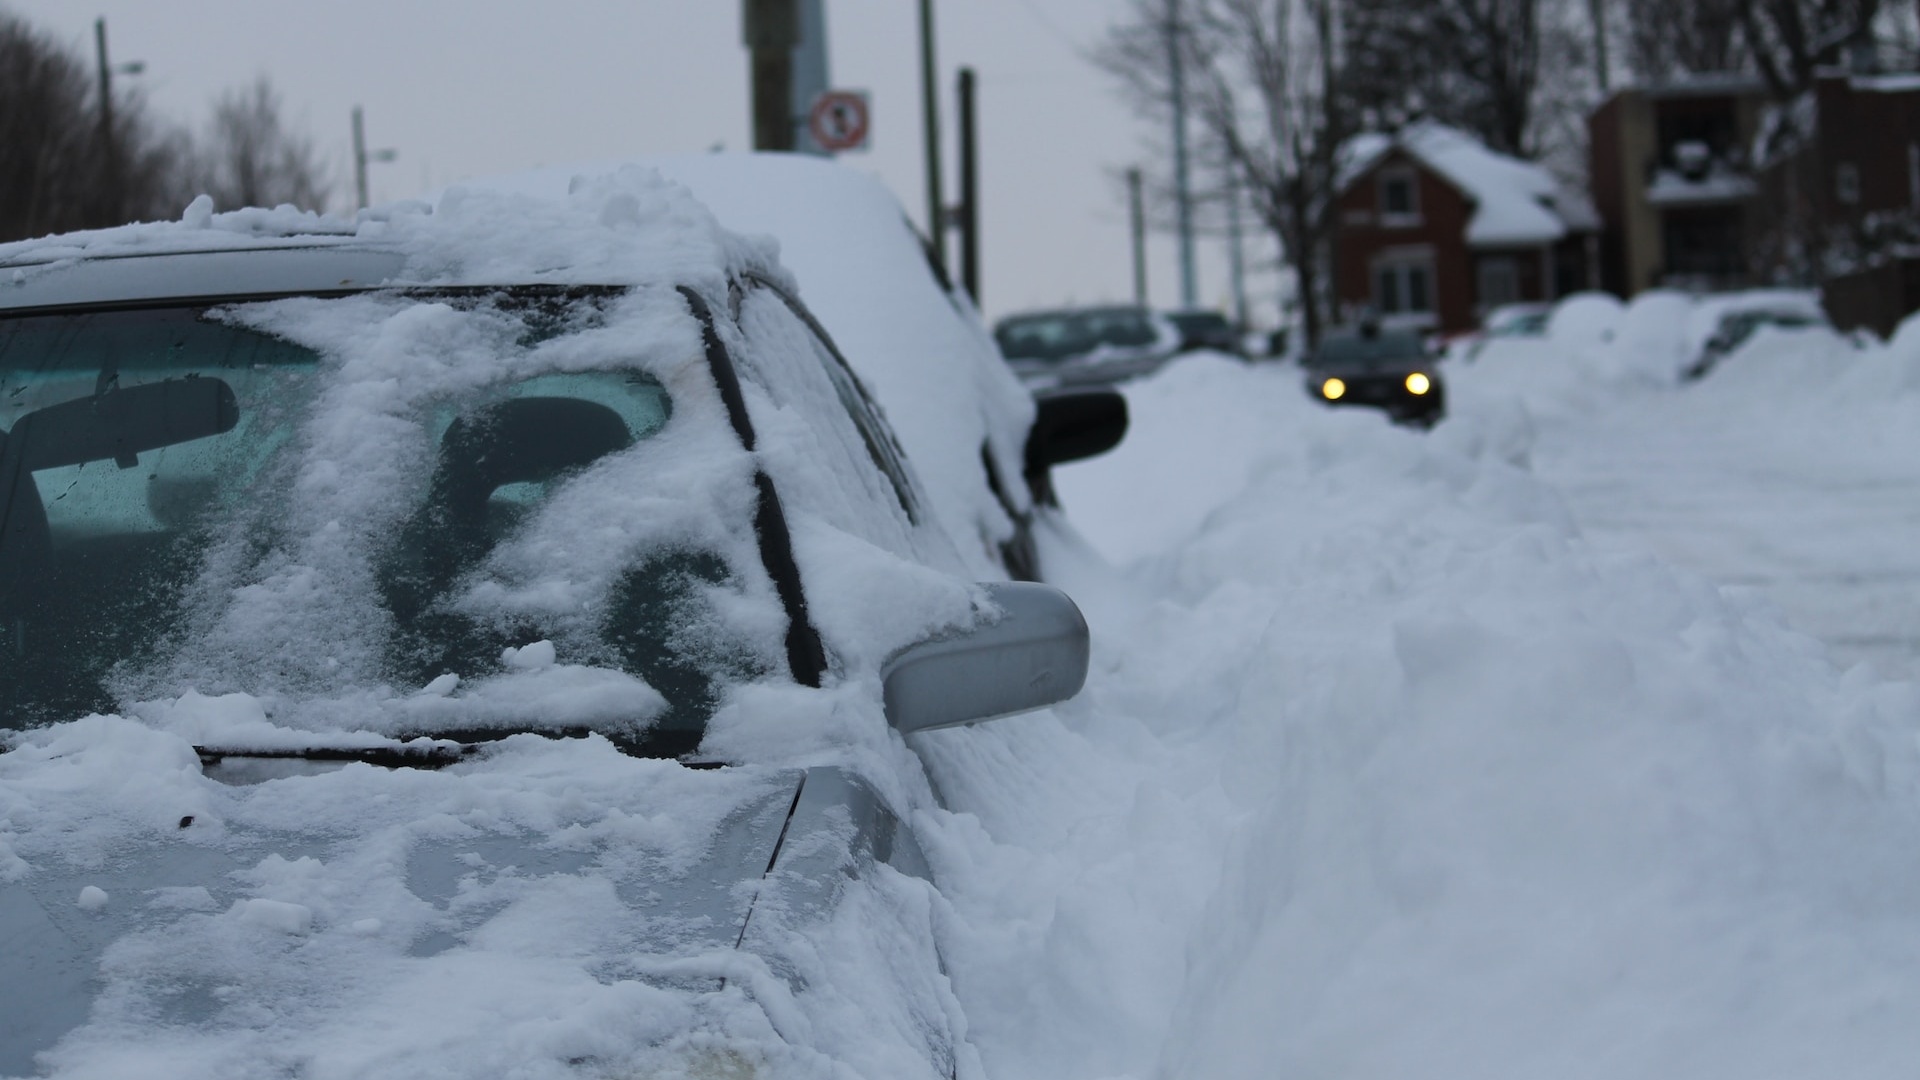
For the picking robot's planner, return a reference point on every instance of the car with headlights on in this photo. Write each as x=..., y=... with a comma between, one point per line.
x=1389, y=370
x=472, y=640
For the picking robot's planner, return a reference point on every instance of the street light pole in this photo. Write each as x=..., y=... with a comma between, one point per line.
x=1137, y=213
x=1182, y=183
x=969, y=189
x=772, y=31
x=930, y=103
x=361, y=155
x=109, y=157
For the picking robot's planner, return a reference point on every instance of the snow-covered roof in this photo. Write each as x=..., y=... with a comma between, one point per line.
x=1669, y=188
x=1516, y=202
x=627, y=226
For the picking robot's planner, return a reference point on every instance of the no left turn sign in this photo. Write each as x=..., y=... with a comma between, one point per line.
x=840, y=120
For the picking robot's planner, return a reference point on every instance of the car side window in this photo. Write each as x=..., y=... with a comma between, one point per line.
x=881, y=446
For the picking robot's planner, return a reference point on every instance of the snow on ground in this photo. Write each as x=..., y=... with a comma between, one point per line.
x=1393, y=765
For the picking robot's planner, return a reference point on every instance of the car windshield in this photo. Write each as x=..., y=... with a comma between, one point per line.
x=172, y=517
x=1385, y=349
x=1066, y=334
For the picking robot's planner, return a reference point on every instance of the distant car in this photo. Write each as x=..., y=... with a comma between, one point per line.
x=1734, y=318
x=1086, y=346
x=1202, y=330
x=1506, y=321
x=413, y=619
x=1389, y=370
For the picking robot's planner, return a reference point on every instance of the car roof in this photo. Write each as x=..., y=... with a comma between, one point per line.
x=623, y=227
x=199, y=275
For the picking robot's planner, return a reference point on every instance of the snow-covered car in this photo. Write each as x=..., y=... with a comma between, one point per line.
x=1389, y=370
x=1508, y=321
x=915, y=339
x=470, y=642
x=1086, y=346
x=1205, y=329
x=1721, y=324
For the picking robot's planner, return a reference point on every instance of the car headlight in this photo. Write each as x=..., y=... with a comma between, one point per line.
x=1418, y=383
x=1333, y=389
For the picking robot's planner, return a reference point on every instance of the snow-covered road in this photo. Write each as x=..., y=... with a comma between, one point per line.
x=1824, y=527
x=1530, y=747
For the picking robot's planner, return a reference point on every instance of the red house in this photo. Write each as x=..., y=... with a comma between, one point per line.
x=1433, y=230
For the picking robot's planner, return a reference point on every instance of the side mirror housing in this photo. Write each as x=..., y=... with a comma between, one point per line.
x=1033, y=656
x=1075, y=424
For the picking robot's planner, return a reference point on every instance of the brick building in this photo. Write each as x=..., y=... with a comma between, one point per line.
x=1433, y=230
x=1706, y=183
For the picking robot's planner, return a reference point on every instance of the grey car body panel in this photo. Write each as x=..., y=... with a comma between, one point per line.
x=51, y=947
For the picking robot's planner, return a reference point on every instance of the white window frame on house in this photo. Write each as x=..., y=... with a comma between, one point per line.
x=1398, y=268
x=1488, y=271
x=1390, y=218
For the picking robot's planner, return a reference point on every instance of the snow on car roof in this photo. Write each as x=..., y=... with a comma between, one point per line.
x=1516, y=201
x=628, y=225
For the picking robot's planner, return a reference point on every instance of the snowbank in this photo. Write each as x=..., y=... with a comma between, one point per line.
x=1386, y=771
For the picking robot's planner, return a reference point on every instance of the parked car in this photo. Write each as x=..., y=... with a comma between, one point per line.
x=1389, y=370
x=1527, y=320
x=436, y=645
x=1721, y=324
x=1203, y=329
x=1083, y=346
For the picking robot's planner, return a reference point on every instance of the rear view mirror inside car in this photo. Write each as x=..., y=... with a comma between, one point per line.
x=122, y=423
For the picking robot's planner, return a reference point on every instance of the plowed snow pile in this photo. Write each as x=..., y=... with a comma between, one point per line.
x=1386, y=771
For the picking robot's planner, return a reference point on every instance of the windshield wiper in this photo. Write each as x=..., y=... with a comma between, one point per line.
x=399, y=756
x=451, y=747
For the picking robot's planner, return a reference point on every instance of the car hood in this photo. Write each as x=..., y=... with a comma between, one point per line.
x=1365, y=368
x=253, y=916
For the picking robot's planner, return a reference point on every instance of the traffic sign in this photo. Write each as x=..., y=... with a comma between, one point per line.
x=840, y=120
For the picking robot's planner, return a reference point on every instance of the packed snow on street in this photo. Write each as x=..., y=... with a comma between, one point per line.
x=1568, y=740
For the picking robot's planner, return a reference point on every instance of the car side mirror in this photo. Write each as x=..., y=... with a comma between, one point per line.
x=1034, y=655
x=1075, y=424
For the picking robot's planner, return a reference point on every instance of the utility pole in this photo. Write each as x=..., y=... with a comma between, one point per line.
x=112, y=182
x=1237, y=252
x=1182, y=182
x=109, y=153
x=1597, y=10
x=771, y=29
x=1136, y=204
x=930, y=102
x=361, y=155
x=969, y=190
x=810, y=73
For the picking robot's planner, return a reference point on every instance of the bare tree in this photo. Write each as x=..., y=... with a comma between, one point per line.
x=1670, y=38
x=249, y=157
x=1263, y=92
x=1472, y=64
x=1790, y=39
x=59, y=171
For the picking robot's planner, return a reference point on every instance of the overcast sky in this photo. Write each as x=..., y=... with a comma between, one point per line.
x=469, y=87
